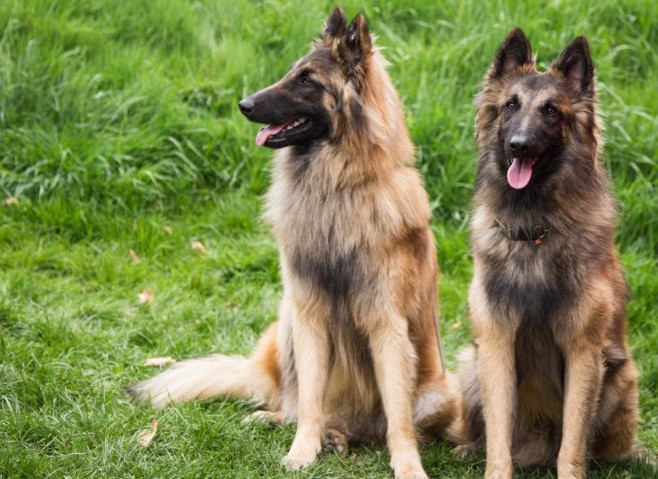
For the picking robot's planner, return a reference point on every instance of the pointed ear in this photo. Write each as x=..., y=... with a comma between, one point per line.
x=512, y=53
x=575, y=64
x=335, y=27
x=358, y=44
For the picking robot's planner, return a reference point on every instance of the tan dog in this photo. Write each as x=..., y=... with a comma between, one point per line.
x=551, y=376
x=356, y=348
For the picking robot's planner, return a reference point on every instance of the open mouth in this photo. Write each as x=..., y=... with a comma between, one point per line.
x=519, y=172
x=272, y=135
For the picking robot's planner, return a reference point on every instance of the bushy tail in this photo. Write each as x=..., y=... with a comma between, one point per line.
x=467, y=430
x=255, y=378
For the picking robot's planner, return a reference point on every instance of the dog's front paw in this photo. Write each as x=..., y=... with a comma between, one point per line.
x=570, y=469
x=411, y=473
x=499, y=469
x=300, y=457
x=408, y=467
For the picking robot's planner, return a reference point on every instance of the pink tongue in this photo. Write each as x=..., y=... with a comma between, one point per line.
x=519, y=174
x=265, y=133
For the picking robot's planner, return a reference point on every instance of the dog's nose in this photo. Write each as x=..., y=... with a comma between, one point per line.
x=246, y=105
x=519, y=144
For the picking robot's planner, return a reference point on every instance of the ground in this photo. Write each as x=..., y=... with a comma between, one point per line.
x=121, y=145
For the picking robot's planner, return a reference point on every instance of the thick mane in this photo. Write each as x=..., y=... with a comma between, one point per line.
x=371, y=124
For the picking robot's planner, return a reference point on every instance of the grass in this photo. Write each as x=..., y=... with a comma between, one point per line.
x=119, y=132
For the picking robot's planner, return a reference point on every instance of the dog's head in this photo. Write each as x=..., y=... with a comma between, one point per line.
x=534, y=121
x=304, y=106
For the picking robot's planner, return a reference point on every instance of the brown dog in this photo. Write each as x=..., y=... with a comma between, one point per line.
x=356, y=348
x=551, y=376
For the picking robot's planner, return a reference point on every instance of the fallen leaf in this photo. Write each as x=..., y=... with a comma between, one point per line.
x=159, y=361
x=134, y=256
x=168, y=229
x=146, y=296
x=146, y=436
x=456, y=325
x=198, y=246
x=11, y=200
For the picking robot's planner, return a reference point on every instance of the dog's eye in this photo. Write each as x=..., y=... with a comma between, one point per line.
x=304, y=79
x=551, y=110
x=511, y=104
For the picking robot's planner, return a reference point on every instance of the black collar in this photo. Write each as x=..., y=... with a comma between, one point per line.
x=529, y=233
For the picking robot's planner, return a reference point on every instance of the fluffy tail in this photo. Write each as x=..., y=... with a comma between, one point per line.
x=255, y=379
x=467, y=430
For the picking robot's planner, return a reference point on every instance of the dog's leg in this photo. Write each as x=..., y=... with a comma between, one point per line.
x=311, y=350
x=394, y=360
x=583, y=376
x=496, y=366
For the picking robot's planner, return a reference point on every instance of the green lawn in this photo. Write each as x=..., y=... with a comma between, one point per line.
x=119, y=131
